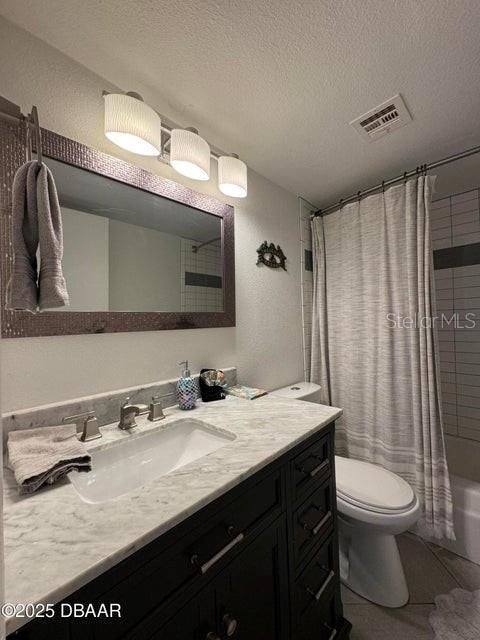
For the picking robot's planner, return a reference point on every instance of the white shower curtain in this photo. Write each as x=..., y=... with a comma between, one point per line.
x=373, y=344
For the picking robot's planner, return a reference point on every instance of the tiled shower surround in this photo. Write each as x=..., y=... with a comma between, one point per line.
x=201, y=277
x=456, y=243
x=455, y=220
x=455, y=228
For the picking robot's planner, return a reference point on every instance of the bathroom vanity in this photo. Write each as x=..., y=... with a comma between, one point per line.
x=239, y=543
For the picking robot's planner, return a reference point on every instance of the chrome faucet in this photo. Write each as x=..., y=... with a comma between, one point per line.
x=128, y=413
x=87, y=425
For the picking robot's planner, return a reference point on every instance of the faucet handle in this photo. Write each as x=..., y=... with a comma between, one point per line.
x=126, y=401
x=90, y=429
x=156, y=409
x=86, y=424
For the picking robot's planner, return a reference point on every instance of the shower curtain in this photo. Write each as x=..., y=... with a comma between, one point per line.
x=374, y=340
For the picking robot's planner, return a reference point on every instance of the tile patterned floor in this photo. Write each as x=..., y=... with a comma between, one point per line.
x=430, y=571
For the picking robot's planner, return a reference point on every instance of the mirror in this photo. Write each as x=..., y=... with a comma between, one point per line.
x=141, y=252
x=130, y=250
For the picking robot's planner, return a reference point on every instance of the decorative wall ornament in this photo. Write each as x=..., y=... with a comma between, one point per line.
x=271, y=256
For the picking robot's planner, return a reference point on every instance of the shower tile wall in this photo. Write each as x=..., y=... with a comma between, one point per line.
x=456, y=244
x=201, y=277
x=306, y=282
x=455, y=220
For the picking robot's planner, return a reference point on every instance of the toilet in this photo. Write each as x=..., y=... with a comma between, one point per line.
x=374, y=505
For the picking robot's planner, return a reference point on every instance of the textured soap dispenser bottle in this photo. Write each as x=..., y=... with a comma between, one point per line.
x=187, y=389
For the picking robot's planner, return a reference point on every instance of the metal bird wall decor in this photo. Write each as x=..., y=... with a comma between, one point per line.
x=271, y=256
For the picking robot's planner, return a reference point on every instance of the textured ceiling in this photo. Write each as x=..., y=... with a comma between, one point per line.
x=278, y=81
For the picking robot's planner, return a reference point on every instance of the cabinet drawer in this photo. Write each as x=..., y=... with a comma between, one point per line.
x=315, y=594
x=317, y=579
x=322, y=618
x=230, y=527
x=184, y=563
x=313, y=519
x=311, y=466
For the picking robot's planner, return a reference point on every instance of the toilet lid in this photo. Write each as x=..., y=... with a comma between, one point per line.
x=371, y=487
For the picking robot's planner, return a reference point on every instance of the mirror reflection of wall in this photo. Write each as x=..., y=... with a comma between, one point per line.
x=126, y=249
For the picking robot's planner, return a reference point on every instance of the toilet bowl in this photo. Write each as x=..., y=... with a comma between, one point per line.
x=374, y=505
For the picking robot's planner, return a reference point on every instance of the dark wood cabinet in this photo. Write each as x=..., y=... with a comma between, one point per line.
x=259, y=563
x=250, y=598
x=194, y=621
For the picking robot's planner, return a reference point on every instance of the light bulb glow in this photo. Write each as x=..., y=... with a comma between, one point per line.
x=232, y=177
x=132, y=125
x=190, y=154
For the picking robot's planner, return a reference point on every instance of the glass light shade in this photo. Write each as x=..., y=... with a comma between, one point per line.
x=190, y=154
x=232, y=177
x=132, y=125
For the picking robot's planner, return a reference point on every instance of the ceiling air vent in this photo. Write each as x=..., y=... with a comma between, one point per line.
x=388, y=116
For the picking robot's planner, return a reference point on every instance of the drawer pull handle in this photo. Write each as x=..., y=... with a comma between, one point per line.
x=319, y=468
x=212, y=636
x=334, y=631
x=214, y=559
x=230, y=625
x=320, y=592
x=315, y=470
x=319, y=525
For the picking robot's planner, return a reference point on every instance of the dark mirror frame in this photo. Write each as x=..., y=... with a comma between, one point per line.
x=17, y=324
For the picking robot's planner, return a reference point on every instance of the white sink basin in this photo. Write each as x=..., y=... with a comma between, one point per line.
x=128, y=465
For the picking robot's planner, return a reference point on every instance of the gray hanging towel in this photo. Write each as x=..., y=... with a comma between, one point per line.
x=51, y=283
x=22, y=291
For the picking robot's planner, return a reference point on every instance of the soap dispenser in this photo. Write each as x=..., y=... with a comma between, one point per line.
x=187, y=389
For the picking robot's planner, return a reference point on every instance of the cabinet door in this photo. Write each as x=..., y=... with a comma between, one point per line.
x=42, y=630
x=194, y=621
x=251, y=593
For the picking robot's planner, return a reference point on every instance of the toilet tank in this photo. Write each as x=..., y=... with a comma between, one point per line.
x=308, y=391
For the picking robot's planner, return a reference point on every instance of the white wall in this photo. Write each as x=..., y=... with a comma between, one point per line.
x=144, y=269
x=266, y=344
x=85, y=262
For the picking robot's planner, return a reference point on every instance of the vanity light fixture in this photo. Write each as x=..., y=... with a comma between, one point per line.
x=190, y=154
x=232, y=176
x=131, y=124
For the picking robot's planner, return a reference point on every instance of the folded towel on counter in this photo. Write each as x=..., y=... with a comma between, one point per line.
x=248, y=393
x=45, y=455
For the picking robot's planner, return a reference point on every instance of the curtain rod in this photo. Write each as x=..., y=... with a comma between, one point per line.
x=386, y=183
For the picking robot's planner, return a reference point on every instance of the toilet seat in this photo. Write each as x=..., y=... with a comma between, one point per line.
x=372, y=488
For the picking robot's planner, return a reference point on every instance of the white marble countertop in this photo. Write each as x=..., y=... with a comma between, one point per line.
x=55, y=543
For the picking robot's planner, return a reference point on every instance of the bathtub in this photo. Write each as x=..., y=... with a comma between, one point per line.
x=464, y=464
